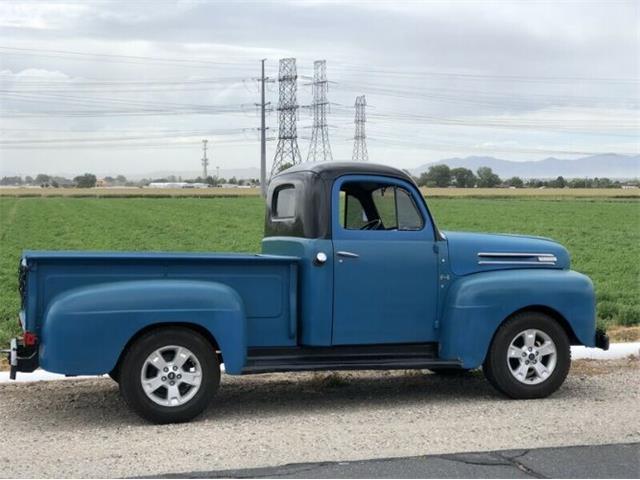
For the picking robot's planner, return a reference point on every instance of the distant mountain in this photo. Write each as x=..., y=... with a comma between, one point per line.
x=609, y=165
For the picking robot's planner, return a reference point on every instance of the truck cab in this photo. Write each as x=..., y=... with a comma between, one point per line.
x=375, y=249
x=353, y=274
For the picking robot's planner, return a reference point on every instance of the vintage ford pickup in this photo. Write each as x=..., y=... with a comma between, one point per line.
x=353, y=274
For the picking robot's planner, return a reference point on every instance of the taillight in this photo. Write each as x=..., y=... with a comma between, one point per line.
x=29, y=339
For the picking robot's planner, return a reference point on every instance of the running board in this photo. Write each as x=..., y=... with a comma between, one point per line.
x=376, y=357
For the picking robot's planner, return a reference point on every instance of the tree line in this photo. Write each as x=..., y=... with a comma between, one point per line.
x=443, y=177
x=437, y=176
x=89, y=180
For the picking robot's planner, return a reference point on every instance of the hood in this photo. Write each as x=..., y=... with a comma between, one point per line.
x=478, y=252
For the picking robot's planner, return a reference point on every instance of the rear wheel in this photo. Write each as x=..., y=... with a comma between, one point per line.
x=169, y=375
x=529, y=356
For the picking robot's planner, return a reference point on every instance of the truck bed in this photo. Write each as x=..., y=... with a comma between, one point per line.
x=267, y=284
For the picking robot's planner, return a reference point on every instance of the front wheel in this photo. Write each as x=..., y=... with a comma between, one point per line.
x=169, y=375
x=529, y=357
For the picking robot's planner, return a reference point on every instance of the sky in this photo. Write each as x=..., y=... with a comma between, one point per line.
x=132, y=87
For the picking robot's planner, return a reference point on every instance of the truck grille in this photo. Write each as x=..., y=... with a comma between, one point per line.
x=23, y=271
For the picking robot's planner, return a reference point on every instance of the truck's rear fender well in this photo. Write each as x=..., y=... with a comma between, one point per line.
x=478, y=304
x=199, y=329
x=114, y=314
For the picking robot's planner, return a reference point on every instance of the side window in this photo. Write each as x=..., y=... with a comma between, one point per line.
x=409, y=217
x=371, y=205
x=384, y=199
x=284, y=202
x=352, y=214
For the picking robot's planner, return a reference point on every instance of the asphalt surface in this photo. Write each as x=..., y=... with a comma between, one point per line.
x=595, y=461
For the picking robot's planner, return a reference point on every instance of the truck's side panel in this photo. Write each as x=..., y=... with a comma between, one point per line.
x=265, y=292
x=86, y=329
x=315, y=285
x=112, y=296
x=477, y=304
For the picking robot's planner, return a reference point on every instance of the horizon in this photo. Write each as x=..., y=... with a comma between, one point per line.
x=253, y=172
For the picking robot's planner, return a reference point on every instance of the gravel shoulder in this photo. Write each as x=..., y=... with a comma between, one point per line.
x=82, y=428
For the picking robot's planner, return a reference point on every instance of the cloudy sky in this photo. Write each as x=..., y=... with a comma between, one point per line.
x=133, y=86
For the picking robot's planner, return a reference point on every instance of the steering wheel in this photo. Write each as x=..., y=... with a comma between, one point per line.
x=372, y=225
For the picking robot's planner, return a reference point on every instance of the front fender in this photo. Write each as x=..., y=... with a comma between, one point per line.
x=85, y=330
x=476, y=305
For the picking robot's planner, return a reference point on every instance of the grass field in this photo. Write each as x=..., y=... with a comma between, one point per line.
x=602, y=234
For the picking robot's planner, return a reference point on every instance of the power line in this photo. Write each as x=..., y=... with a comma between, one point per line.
x=105, y=146
x=92, y=101
x=398, y=72
x=400, y=142
x=131, y=59
x=123, y=139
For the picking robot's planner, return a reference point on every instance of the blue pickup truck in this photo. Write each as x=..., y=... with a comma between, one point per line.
x=353, y=274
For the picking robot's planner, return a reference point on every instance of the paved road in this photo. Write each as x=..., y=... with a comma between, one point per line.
x=601, y=461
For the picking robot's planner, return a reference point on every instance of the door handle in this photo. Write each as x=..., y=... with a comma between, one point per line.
x=342, y=253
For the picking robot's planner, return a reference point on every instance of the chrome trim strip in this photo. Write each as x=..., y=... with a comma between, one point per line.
x=512, y=262
x=514, y=254
x=517, y=258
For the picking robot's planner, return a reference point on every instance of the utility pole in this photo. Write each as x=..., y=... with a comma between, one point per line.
x=319, y=148
x=205, y=160
x=263, y=136
x=360, y=153
x=287, y=151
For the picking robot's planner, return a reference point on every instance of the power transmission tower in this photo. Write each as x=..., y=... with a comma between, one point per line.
x=360, y=153
x=319, y=148
x=205, y=160
x=287, y=151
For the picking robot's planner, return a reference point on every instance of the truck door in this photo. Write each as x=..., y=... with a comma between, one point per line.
x=385, y=269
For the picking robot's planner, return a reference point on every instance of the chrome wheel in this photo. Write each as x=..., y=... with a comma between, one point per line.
x=171, y=376
x=532, y=356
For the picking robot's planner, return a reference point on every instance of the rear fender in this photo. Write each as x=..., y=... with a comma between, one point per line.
x=478, y=304
x=85, y=330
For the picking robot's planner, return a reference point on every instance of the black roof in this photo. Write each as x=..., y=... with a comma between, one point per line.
x=331, y=170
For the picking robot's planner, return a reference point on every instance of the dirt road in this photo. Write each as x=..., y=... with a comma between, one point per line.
x=82, y=428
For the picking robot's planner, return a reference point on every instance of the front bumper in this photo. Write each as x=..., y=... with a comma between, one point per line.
x=22, y=358
x=602, y=340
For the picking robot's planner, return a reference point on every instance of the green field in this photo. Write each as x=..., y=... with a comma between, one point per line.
x=603, y=235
